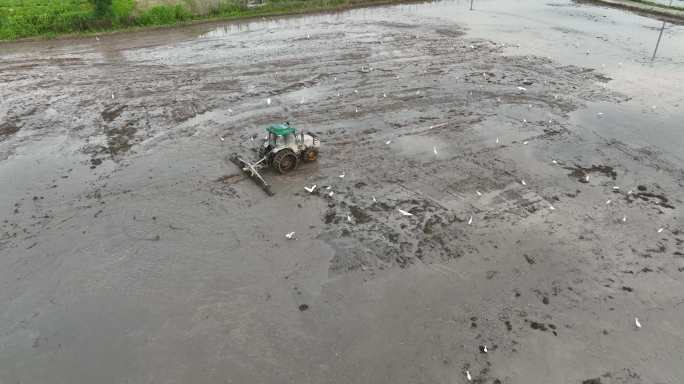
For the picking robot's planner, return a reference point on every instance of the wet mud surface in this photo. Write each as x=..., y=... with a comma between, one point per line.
x=474, y=214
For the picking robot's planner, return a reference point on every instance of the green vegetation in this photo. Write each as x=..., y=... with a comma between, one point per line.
x=25, y=18
x=103, y=8
x=20, y=18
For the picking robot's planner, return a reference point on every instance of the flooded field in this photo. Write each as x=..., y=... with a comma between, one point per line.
x=536, y=146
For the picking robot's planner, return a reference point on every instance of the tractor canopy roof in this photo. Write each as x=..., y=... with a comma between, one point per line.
x=280, y=129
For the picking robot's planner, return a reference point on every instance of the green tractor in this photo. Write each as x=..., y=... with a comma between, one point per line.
x=282, y=149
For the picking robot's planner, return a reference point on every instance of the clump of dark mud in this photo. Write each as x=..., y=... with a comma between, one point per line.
x=581, y=173
x=112, y=113
x=656, y=197
x=624, y=376
x=438, y=243
x=120, y=139
x=550, y=133
x=7, y=129
x=360, y=215
x=543, y=327
x=330, y=216
x=659, y=199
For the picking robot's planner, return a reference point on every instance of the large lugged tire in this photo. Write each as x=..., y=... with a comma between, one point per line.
x=309, y=155
x=284, y=161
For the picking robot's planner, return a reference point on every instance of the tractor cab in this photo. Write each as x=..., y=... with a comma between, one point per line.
x=280, y=135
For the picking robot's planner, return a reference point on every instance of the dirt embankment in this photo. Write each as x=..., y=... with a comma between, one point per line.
x=670, y=14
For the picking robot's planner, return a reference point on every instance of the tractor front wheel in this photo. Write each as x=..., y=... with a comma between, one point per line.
x=310, y=155
x=284, y=161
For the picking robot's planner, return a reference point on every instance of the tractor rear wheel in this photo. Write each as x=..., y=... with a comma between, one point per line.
x=284, y=161
x=310, y=155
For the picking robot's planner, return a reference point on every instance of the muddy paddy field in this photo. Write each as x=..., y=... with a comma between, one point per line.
x=541, y=162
